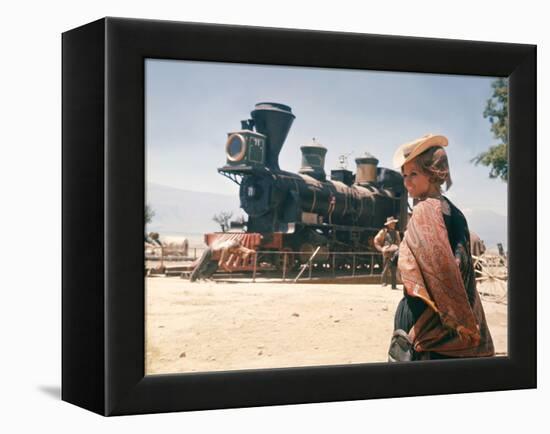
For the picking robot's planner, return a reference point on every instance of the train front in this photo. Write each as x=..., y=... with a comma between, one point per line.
x=252, y=161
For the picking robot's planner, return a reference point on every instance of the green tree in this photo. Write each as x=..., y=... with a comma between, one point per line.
x=496, y=157
x=149, y=214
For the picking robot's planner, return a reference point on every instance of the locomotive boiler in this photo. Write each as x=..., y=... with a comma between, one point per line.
x=303, y=211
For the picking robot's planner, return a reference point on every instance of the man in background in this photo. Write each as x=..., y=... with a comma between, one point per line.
x=387, y=242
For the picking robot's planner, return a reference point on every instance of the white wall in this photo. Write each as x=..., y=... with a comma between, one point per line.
x=30, y=180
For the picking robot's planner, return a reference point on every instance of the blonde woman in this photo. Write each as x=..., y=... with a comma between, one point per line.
x=440, y=315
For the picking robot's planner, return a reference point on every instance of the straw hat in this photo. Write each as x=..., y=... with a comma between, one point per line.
x=411, y=150
x=390, y=220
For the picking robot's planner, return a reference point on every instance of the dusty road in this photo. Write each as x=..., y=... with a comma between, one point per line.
x=209, y=326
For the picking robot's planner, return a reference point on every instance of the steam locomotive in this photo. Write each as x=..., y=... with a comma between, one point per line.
x=300, y=212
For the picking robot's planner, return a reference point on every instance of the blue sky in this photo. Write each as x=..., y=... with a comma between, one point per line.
x=191, y=106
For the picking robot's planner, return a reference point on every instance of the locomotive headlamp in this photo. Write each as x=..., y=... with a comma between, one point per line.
x=235, y=147
x=245, y=148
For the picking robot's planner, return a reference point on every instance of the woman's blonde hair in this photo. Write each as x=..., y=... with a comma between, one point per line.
x=434, y=163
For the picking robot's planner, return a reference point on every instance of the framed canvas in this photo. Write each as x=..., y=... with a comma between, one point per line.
x=113, y=118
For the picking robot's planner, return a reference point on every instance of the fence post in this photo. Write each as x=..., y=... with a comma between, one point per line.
x=255, y=266
x=334, y=264
x=371, y=264
x=284, y=266
x=353, y=270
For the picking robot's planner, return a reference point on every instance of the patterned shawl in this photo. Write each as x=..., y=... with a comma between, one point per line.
x=450, y=325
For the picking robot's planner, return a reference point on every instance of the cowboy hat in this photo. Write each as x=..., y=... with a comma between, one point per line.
x=411, y=150
x=390, y=220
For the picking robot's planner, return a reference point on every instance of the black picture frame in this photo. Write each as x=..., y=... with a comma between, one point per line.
x=103, y=202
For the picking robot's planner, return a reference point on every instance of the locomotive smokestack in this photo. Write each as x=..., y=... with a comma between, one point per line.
x=273, y=120
x=366, y=169
x=313, y=160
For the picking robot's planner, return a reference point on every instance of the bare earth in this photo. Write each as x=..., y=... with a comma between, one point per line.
x=209, y=326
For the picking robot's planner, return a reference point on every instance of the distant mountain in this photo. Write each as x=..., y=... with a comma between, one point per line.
x=187, y=212
x=489, y=225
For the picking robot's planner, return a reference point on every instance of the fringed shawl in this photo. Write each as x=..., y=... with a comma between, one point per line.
x=451, y=324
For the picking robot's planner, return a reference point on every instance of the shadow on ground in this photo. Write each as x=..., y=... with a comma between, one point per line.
x=51, y=391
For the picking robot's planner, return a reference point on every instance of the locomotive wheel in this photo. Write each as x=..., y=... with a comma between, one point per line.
x=290, y=260
x=307, y=249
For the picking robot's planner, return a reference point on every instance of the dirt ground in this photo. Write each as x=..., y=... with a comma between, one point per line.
x=209, y=326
